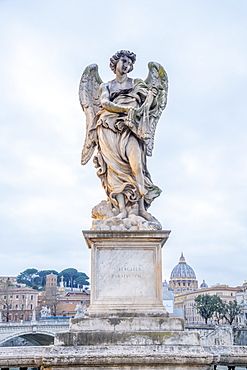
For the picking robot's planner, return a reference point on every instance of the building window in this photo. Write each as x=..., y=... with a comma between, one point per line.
x=23, y=297
x=16, y=306
x=11, y=297
x=17, y=297
x=31, y=306
x=22, y=306
x=4, y=297
x=31, y=298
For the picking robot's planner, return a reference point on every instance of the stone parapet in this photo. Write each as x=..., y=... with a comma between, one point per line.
x=148, y=357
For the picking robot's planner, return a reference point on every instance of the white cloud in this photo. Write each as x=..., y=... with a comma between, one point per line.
x=200, y=154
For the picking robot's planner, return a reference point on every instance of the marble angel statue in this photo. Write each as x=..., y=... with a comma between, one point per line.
x=121, y=119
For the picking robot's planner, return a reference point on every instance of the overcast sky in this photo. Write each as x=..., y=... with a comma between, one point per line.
x=199, y=161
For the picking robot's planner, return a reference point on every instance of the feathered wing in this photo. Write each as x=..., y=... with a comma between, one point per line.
x=157, y=81
x=89, y=99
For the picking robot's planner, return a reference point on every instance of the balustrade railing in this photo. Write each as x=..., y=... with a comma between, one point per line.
x=57, y=357
x=31, y=323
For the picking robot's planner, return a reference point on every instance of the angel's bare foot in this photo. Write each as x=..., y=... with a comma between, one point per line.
x=122, y=214
x=121, y=205
x=146, y=215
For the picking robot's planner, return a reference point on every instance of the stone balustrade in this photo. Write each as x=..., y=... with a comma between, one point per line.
x=122, y=357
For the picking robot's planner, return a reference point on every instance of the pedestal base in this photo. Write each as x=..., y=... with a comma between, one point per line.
x=127, y=326
x=126, y=273
x=127, y=331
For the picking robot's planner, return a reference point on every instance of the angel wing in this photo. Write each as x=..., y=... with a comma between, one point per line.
x=157, y=81
x=89, y=99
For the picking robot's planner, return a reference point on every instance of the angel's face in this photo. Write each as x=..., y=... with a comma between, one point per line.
x=123, y=65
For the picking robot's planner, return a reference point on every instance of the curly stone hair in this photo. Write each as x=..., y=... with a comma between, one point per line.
x=122, y=53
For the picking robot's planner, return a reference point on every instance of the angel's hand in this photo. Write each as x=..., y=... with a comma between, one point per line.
x=155, y=91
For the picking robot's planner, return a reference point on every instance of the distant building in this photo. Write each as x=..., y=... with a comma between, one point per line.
x=51, y=285
x=11, y=279
x=17, y=304
x=62, y=301
x=69, y=300
x=204, y=284
x=183, y=278
x=241, y=298
x=186, y=301
x=168, y=297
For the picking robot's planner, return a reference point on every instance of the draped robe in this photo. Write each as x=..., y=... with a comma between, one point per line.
x=113, y=133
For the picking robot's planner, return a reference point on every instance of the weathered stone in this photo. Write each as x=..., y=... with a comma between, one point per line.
x=148, y=357
x=222, y=335
x=95, y=338
x=121, y=117
x=126, y=276
x=134, y=324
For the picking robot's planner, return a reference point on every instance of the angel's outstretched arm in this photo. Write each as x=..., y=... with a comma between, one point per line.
x=108, y=105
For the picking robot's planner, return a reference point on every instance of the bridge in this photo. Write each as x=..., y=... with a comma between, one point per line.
x=36, y=332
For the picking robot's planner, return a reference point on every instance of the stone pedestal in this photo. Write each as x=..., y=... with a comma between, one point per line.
x=126, y=273
x=126, y=326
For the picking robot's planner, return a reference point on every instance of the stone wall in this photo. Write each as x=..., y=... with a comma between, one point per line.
x=240, y=336
x=222, y=335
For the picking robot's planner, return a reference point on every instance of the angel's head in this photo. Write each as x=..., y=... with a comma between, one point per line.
x=122, y=54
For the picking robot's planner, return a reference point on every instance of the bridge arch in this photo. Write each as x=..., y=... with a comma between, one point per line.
x=37, y=338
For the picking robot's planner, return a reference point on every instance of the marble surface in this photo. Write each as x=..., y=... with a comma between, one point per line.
x=121, y=119
x=126, y=273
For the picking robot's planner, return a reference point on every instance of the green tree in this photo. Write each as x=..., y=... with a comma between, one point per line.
x=206, y=306
x=70, y=275
x=27, y=277
x=219, y=308
x=82, y=280
x=232, y=310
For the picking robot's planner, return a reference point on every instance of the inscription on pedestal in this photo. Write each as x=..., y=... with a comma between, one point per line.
x=126, y=272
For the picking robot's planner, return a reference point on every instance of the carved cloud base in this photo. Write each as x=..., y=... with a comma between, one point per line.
x=106, y=217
